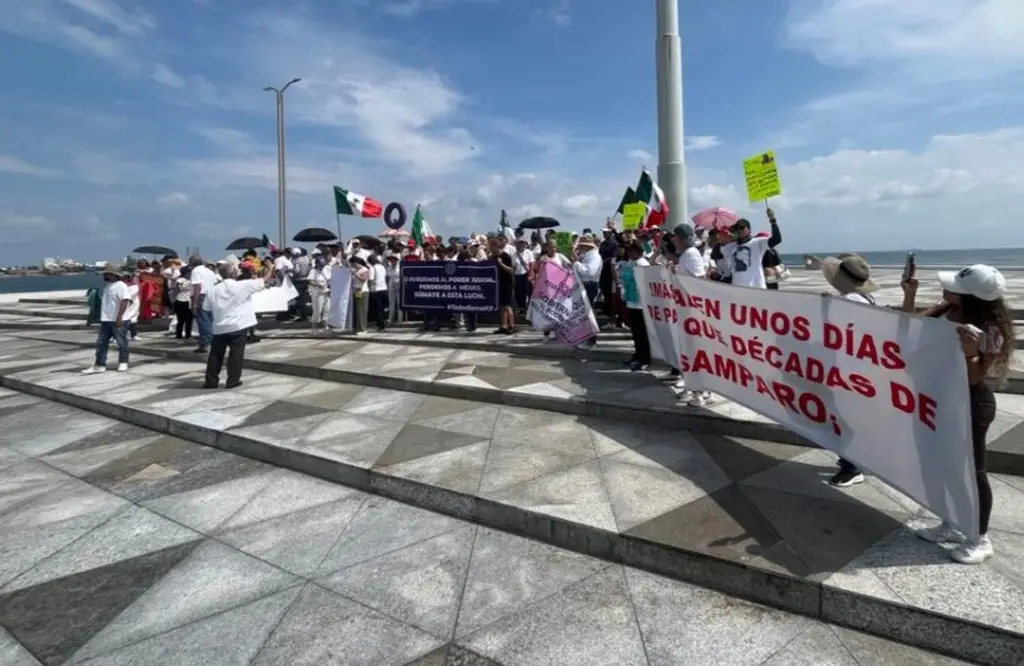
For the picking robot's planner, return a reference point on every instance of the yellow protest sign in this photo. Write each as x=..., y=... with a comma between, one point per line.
x=563, y=241
x=633, y=215
x=762, y=177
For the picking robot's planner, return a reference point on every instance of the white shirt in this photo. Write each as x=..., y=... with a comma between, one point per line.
x=132, y=312
x=393, y=275
x=858, y=298
x=283, y=265
x=745, y=261
x=204, y=277
x=521, y=262
x=691, y=263
x=589, y=266
x=230, y=303
x=113, y=294
x=320, y=278
x=559, y=260
x=183, y=290
x=379, y=278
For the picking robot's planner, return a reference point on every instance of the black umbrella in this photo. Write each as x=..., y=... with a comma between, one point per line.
x=369, y=241
x=538, y=223
x=315, y=235
x=155, y=249
x=245, y=243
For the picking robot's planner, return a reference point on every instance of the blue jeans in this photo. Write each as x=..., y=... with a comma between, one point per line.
x=109, y=330
x=204, y=321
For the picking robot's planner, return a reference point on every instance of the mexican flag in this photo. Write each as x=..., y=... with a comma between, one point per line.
x=648, y=192
x=627, y=198
x=350, y=203
x=421, y=231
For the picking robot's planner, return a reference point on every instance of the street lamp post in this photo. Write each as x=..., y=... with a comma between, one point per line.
x=282, y=230
x=669, y=67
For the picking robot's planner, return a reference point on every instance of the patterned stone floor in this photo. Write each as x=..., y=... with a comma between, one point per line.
x=121, y=546
x=563, y=379
x=763, y=505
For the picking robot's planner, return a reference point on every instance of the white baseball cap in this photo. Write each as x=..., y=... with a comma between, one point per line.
x=980, y=281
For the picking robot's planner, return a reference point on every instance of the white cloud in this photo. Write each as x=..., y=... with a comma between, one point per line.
x=22, y=227
x=173, y=199
x=640, y=155
x=11, y=164
x=347, y=86
x=970, y=37
x=898, y=57
x=101, y=28
x=559, y=12
x=162, y=74
x=695, y=143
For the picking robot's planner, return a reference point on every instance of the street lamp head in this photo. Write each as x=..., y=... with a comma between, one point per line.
x=269, y=89
x=294, y=81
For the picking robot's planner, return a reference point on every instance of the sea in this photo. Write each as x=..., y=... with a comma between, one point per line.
x=995, y=257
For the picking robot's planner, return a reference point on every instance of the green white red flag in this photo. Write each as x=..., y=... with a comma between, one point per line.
x=347, y=202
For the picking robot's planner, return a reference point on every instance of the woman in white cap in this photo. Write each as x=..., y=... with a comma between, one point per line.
x=850, y=276
x=973, y=298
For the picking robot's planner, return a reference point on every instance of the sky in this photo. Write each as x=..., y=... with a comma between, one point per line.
x=896, y=123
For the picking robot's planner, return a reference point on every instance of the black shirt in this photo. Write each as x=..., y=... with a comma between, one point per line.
x=504, y=277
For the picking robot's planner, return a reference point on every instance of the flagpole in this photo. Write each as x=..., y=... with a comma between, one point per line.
x=669, y=67
x=337, y=219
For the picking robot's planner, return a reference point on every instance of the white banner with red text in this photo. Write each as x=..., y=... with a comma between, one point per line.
x=881, y=388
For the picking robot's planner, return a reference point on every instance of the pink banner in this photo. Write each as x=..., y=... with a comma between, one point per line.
x=559, y=304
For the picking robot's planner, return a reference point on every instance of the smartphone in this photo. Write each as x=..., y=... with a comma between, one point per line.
x=909, y=268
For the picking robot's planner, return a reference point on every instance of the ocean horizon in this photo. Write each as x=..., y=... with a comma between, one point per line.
x=996, y=257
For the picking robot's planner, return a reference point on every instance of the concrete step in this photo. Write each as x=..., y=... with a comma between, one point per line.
x=612, y=347
x=749, y=518
x=574, y=386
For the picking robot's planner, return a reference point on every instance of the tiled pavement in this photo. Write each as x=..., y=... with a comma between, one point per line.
x=748, y=517
x=566, y=384
x=122, y=546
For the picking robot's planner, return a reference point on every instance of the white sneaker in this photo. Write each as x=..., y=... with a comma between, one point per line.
x=700, y=398
x=941, y=533
x=973, y=553
x=94, y=370
x=686, y=396
x=122, y=367
x=680, y=383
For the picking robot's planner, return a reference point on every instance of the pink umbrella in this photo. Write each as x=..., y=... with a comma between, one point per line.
x=715, y=218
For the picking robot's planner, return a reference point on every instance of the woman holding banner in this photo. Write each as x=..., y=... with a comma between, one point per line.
x=973, y=298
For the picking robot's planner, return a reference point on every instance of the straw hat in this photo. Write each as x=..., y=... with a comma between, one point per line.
x=111, y=269
x=586, y=240
x=851, y=274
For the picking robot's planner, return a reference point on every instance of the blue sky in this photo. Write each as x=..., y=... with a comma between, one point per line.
x=126, y=122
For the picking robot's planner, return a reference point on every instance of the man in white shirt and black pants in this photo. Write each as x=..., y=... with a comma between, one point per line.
x=233, y=314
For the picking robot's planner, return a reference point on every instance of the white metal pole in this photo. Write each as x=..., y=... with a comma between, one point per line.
x=281, y=232
x=669, y=67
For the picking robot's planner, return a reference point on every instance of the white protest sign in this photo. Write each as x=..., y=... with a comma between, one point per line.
x=271, y=299
x=884, y=389
x=341, y=296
